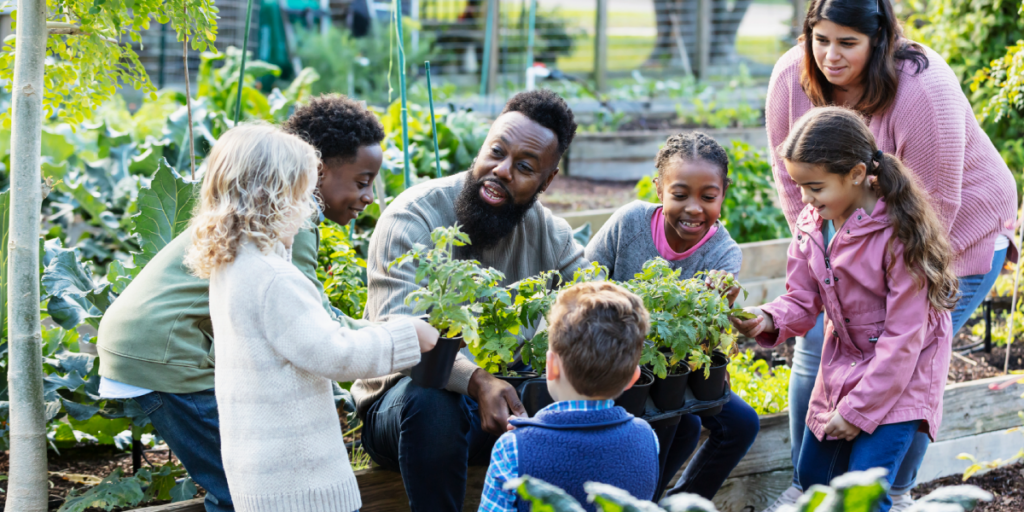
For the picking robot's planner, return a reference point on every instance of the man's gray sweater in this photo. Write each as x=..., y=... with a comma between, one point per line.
x=540, y=242
x=626, y=242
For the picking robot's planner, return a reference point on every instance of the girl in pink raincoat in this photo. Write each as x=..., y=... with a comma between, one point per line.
x=880, y=266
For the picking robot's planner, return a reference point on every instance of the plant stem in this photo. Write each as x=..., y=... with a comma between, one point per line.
x=27, y=488
x=241, y=71
x=401, y=87
x=188, y=100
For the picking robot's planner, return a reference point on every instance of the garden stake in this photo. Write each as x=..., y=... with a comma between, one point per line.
x=241, y=71
x=486, y=69
x=351, y=229
x=188, y=104
x=401, y=87
x=529, y=35
x=433, y=124
x=1013, y=302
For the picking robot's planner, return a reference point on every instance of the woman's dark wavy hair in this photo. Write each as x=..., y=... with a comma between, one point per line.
x=875, y=19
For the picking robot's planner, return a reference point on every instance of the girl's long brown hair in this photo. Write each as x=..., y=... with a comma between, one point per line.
x=875, y=19
x=838, y=139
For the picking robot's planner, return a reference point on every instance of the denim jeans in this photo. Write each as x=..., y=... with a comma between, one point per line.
x=431, y=436
x=821, y=461
x=190, y=425
x=807, y=360
x=732, y=432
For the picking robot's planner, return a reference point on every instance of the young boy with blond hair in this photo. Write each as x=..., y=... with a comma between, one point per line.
x=596, y=333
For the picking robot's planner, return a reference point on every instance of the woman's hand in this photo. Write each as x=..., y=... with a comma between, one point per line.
x=714, y=276
x=426, y=333
x=753, y=327
x=839, y=428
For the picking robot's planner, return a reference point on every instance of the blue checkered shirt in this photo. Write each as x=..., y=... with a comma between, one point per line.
x=505, y=459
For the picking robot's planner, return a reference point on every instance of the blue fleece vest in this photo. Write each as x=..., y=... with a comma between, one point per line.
x=569, y=448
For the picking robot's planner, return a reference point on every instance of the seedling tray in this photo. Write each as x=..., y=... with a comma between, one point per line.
x=692, y=406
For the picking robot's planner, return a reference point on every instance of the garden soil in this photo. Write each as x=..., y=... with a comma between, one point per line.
x=91, y=460
x=1006, y=485
x=568, y=194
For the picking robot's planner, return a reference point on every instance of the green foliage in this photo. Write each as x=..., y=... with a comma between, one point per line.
x=765, y=389
x=453, y=285
x=748, y=210
x=84, y=71
x=503, y=316
x=689, y=320
x=857, y=491
x=341, y=270
x=119, y=491
x=460, y=135
x=164, y=211
x=358, y=67
x=710, y=114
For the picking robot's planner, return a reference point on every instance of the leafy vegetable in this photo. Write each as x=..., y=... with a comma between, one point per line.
x=765, y=389
x=453, y=285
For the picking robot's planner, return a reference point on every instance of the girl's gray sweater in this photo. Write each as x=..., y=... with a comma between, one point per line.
x=626, y=242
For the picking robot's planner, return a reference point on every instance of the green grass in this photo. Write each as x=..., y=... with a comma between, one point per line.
x=762, y=49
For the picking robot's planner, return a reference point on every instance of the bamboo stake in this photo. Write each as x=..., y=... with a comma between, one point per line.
x=401, y=86
x=188, y=101
x=27, y=488
x=433, y=124
x=485, y=71
x=241, y=71
x=1013, y=302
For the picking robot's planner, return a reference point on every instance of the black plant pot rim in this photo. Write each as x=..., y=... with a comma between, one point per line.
x=521, y=375
x=644, y=374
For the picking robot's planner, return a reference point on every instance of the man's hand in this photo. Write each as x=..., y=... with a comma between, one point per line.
x=839, y=428
x=755, y=326
x=497, y=400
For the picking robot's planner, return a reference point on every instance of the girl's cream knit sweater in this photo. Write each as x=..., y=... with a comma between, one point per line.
x=277, y=353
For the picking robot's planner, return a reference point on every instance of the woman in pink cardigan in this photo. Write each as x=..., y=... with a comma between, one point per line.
x=852, y=53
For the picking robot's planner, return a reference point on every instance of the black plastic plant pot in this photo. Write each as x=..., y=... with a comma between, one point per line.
x=518, y=379
x=634, y=399
x=669, y=393
x=535, y=396
x=435, y=367
x=712, y=387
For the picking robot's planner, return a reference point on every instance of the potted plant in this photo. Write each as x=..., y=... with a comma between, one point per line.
x=708, y=356
x=449, y=298
x=673, y=333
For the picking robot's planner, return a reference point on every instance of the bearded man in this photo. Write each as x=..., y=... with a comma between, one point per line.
x=431, y=435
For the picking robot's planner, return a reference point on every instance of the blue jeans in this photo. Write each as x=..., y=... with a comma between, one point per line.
x=190, y=425
x=431, y=436
x=732, y=432
x=807, y=360
x=821, y=461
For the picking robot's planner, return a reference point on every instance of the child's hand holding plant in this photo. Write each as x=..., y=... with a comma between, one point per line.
x=725, y=283
x=752, y=322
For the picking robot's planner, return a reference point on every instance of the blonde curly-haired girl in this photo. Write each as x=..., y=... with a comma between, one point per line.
x=277, y=348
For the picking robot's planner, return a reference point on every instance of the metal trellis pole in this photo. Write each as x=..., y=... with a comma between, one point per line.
x=433, y=124
x=401, y=86
x=241, y=70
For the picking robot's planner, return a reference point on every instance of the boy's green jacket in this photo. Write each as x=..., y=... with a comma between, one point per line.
x=158, y=334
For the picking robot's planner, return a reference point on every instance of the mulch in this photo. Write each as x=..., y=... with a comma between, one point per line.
x=1006, y=485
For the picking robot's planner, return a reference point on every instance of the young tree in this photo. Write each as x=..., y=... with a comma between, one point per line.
x=89, y=46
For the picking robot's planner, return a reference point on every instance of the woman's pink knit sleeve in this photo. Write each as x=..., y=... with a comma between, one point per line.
x=929, y=130
x=778, y=119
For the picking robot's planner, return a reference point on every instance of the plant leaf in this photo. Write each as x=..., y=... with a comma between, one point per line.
x=164, y=211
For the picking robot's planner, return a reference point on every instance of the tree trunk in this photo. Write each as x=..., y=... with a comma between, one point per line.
x=27, y=488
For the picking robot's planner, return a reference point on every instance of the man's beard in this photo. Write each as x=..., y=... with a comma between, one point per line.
x=487, y=225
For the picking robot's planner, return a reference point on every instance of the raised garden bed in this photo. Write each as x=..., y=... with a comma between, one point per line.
x=629, y=156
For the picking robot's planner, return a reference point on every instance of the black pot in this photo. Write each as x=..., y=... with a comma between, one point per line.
x=435, y=367
x=535, y=396
x=713, y=387
x=669, y=393
x=634, y=399
x=518, y=379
